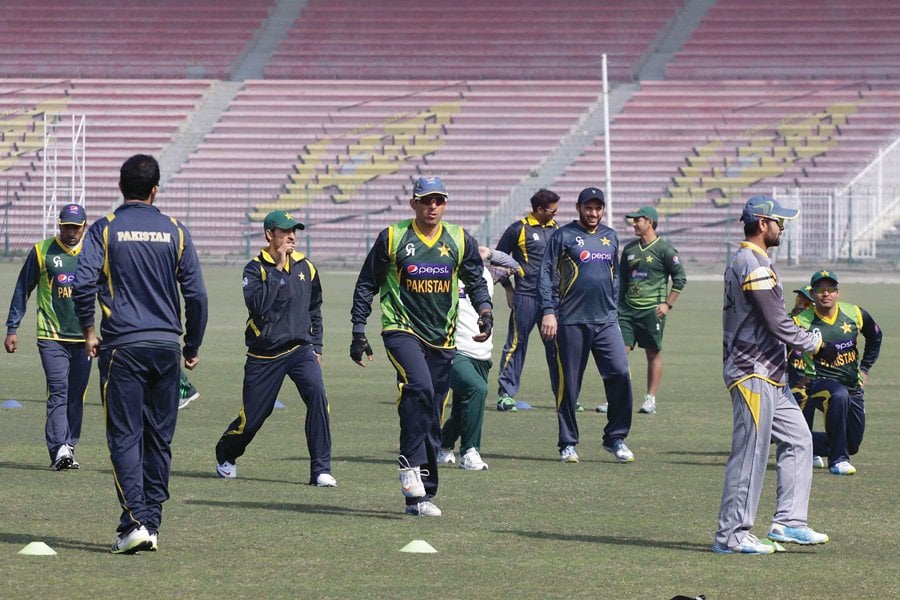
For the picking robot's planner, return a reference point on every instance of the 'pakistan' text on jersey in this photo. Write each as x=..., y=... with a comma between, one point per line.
x=843, y=331
x=755, y=324
x=525, y=240
x=588, y=286
x=417, y=279
x=50, y=266
x=645, y=273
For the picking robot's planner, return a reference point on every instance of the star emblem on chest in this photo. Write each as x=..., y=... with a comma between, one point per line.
x=649, y=259
x=605, y=241
x=846, y=327
x=302, y=276
x=444, y=250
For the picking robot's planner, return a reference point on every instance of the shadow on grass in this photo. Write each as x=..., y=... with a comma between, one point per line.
x=56, y=543
x=391, y=459
x=212, y=475
x=315, y=509
x=611, y=540
x=698, y=453
x=24, y=467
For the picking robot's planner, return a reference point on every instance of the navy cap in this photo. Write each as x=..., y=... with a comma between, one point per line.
x=591, y=193
x=72, y=214
x=765, y=207
x=428, y=186
x=281, y=219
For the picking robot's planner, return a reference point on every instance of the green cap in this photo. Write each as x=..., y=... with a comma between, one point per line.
x=806, y=292
x=645, y=211
x=281, y=219
x=820, y=275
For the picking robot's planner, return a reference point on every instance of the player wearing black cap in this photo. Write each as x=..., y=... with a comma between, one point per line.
x=50, y=267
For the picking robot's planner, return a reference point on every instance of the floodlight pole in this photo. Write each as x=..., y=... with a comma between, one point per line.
x=609, y=203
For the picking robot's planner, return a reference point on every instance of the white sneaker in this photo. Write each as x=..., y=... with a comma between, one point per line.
x=137, y=540
x=182, y=402
x=63, y=460
x=446, y=457
x=620, y=451
x=154, y=542
x=326, y=480
x=226, y=470
x=749, y=545
x=843, y=468
x=423, y=509
x=819, y=463
x=74, y=464
x=796, y=535
x=471, y=461
x=603, y=408
x=410, y=479
x=649, y=405
x=568, y=455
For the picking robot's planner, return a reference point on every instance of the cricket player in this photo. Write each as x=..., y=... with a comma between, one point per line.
x=414, y=266
x=837, y=387
x=644, y=296
x=756, y=328
x=140, y=263
x=50, y=267
x=578, y=289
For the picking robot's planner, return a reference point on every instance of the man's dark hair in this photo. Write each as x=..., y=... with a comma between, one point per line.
x=138, y=176
x=543, y=198
x=751, y=228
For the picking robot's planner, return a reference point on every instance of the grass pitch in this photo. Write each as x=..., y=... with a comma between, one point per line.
x=529, y=527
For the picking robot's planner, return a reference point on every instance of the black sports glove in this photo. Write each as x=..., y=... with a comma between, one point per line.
x=827, y=353
x=359, y=345
x=486, y=322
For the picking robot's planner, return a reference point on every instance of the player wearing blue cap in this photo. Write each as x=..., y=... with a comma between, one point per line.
x=837, y=387
x=578, y=291
x=414, y=266
x=284, y=334
x=135, y=261
x=756, y=328
x=50, y=267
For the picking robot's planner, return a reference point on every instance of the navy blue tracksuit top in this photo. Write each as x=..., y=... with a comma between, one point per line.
x=127, y=262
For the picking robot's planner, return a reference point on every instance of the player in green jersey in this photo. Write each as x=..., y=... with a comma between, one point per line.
x=645, y=299
x=837, y=387
x=50, y=267
x=414, y=266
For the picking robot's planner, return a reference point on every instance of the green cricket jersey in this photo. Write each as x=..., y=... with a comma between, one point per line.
x=49, y=267
x=843, y=331
x=417, y=280
x=645, y=273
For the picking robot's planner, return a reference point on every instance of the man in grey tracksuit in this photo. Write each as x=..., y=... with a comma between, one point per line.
x=756, y=329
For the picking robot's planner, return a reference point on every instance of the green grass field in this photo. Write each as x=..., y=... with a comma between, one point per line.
x=530, y=527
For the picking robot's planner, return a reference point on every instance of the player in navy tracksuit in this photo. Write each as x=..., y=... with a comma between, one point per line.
x=284, y=338
x=580, y=313
x=135, y=261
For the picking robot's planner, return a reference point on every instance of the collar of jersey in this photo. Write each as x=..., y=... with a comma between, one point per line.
x=648, y=246
x=296, y=256
x=72, y=250
x=754, y=247
x=829, y=320
x=530, y=219
x=424, y=239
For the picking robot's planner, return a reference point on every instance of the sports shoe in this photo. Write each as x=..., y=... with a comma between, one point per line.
x=749, y=545
x=326, y=480
x=471, y=461
x=506, y=404
x=63, y=460
x=184, y=401
x=796, y=535
x=226, y=470
x=579, y=407
x=819, y=463
x=423, y=509
x=74, y=464
x=620, y=451
x=603, y=408
x=410, y=479
x=568, y=455
x=842, y=468
x=154, y=541
x=649, y=405
x=136, y=540
x=446, y=457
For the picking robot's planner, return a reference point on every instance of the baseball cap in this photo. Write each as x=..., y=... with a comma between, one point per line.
x=72, y=214
x=591, y=193
x=820, y=275
x=765, y=206
x=426, y=186
x=281, y=219
x=645, y=211
x=806, y=292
